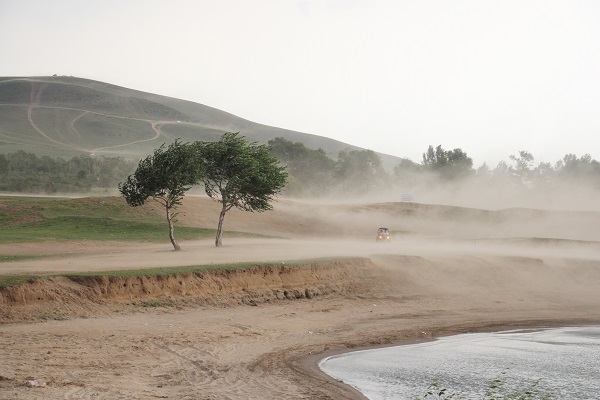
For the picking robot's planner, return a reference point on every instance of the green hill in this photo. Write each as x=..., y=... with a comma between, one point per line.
x=67, y=116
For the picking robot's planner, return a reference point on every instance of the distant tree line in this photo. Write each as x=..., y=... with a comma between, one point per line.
x=29, y=173
x=312, y=173
x=360, y=172
x=455, y=166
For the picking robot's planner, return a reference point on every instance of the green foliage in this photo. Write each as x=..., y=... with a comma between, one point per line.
x=239, y=174
x=359, y=171
x=583, y=168
x=26, y=172
x=451, y=164
x=164, y=176
x=313, y=173
x=310, y=171
x=407, y=171
x=4, y=164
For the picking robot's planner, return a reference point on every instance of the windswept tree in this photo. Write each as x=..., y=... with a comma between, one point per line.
x=164, y=177
x=240, y=174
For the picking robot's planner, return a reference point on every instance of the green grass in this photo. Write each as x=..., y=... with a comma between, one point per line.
x=17, y=209
x=15, y=280
x=95, y=228
x=25, y=219
x=105, y=229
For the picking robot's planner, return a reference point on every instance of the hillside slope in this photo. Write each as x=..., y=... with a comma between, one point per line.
x=66, y=116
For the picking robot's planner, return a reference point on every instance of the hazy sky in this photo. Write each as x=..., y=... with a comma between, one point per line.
x=394, y=76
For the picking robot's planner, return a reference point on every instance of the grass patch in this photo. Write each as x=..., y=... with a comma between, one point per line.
x=95, y=228
x=15, y=280
x=27, y=219
x=19, y=210
x=9, y=258
x=155, y=304
x=55, y=316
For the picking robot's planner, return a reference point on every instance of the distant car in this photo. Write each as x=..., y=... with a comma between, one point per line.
x=383, y=235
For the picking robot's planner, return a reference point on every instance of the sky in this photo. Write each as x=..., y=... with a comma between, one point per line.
x=393, y=76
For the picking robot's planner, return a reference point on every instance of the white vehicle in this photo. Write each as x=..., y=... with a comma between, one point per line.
x=383, y=235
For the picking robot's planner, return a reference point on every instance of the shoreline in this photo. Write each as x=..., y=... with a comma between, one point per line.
x=311, y=362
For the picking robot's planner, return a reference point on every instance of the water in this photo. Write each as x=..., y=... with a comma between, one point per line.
x=565, y=361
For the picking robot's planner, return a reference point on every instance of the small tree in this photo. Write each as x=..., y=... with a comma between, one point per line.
x=240, y=174
x=164, y=176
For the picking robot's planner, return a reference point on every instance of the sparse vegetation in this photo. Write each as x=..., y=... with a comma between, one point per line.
x=497, y=390
x=156, y=304
x=53, y=316
x=8, y=258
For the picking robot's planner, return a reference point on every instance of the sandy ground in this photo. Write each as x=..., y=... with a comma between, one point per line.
x=417, y=289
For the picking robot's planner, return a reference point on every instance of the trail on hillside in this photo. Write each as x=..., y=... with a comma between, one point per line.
x=34, y=100
x=34, y=103
x=155, y=127
x=37, y=90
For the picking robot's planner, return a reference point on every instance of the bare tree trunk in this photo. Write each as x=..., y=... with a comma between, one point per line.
x=218, y=240
x=172, y=230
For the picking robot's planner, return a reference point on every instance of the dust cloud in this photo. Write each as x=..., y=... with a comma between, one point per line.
x=449, y=268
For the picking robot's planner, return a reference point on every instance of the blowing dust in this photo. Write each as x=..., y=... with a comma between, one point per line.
x=448, y=269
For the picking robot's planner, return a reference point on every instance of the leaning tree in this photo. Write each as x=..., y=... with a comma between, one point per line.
x=240, y=174
x=164, y=177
